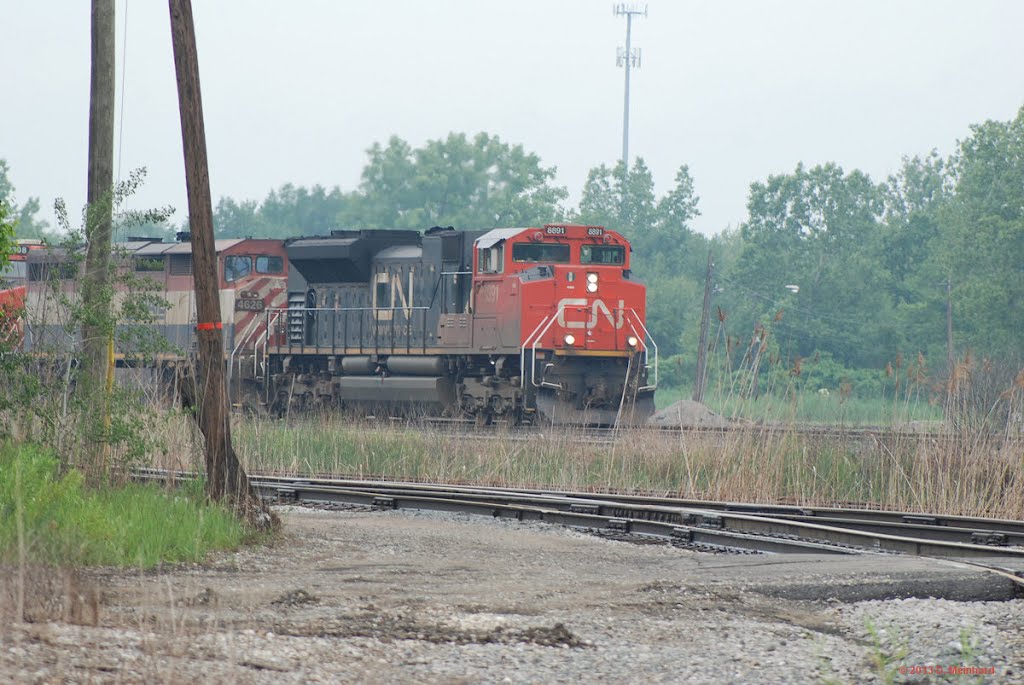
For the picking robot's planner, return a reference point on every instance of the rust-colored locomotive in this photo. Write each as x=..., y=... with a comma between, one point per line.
x=523, y=325
x=252, y=277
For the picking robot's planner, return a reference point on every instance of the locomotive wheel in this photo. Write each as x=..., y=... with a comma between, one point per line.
x=539, y=419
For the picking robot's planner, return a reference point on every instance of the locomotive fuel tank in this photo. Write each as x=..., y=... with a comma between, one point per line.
x=425, y=365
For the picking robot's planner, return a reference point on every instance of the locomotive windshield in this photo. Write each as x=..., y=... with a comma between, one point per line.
x=236, y=268
x=544, y=253
x=269, y=265
x=602, y=254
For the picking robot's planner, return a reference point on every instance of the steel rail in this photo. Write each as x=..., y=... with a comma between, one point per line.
x=526, y=511
x=772, y=526
x=298, y=491
x=950, y=528
x=888, y=540
x=616, y=434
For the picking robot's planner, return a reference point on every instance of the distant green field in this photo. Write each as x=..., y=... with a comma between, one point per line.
x=811, y=408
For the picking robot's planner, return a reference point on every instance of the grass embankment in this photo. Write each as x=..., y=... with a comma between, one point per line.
x=950, y=472
x=49, y=518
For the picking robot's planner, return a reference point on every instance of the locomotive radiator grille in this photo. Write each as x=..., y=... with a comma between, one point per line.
x=296, y=309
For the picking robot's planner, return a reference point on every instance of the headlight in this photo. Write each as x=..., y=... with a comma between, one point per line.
x=592, y=287
x=570, y=339
x=632, y=341
x=591, y=277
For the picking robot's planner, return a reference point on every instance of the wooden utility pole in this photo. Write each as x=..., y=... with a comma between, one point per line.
x=97, y=328
x=949, y=328
x=224, y=474
x=702, y=346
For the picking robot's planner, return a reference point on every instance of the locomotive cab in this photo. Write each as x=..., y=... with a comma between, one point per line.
x=585, y=355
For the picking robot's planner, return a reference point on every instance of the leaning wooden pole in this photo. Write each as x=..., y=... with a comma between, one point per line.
x=702, y=344
x=225, y=477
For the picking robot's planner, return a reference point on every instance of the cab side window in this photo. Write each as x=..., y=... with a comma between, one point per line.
x=269, y=265
x=491, y=260
x=545, y=253
x=236, y=267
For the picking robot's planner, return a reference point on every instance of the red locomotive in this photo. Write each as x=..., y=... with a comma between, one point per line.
x=517, y=324
x=13, y=282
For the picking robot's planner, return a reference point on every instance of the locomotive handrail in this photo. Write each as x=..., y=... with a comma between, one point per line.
x=625, y=384
x=376, y=323
x=266, y=340
x=341, y=309
x=246, y=335
x=647, y=335
x=533, y=359
x=522, y=355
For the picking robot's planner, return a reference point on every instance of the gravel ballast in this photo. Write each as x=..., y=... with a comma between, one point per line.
x=383, y=597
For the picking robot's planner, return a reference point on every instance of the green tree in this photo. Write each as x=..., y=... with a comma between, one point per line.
x=51, y=400
x=475, y=183
x=916, y=262
x=6, y=234
x=818, y=231
x=985, y=240
x=627, y=203
x=286, y=211
x=295, y=210
x=23, y=218
x=233, y=219
x=667, y=255
x=622, y=201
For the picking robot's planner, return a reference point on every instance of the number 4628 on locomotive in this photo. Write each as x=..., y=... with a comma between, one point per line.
x=524, y=325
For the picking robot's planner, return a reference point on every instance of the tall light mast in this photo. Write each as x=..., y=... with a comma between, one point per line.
x=628, y=58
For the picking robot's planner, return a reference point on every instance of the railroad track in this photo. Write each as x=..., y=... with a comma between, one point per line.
x=608, y=435
x=713, y=525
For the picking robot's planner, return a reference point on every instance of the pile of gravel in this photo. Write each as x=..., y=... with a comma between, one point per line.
x=688, y=413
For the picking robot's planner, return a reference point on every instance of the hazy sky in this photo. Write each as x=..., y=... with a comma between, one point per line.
x=296, y=92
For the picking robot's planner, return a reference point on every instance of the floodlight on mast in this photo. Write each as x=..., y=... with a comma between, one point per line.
x=630, y=59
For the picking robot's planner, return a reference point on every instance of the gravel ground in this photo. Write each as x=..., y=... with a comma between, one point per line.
x=384, y=597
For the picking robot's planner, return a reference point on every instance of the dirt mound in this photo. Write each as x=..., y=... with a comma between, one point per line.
x=688, y=413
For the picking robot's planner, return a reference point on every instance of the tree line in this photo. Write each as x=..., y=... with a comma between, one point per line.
x=828, y=262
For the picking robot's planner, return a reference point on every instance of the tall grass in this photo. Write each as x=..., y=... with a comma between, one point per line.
x=942, y=473
x=57, y=520
x=962, y=455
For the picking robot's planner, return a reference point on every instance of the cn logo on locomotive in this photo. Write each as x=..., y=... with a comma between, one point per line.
x=598, y=307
